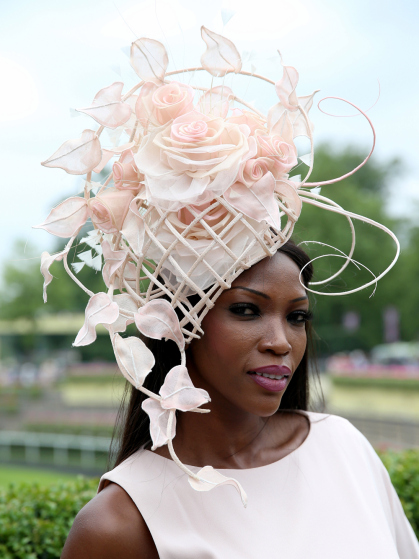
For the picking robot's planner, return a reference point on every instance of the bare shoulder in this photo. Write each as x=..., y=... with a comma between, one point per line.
x=110, y=527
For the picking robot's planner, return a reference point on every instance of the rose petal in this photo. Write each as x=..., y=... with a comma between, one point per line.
x=221, y=55
x=179, y=393
x=159, y=419
x=107, y=107
x=46, y=261
x=216, y=101
x=66, y=218
x=257, y=202
x=210, y=478
x=157, y=319
x=127, y=307
x=100, y=310
x=109, y=209
x=78, y=156
x=134, y=359
x=149, y=60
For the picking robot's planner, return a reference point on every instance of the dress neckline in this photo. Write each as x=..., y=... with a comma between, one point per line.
x=257, y=469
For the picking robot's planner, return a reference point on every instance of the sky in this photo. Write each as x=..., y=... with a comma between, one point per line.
x=56, y=55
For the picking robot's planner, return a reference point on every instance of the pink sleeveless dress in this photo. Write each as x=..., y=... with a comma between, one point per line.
x=331, y=498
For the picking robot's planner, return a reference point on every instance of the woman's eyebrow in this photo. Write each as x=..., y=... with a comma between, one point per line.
x=299, y=299
x=252, y=291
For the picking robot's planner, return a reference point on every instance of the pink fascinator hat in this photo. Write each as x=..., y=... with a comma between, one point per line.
x=199, y=192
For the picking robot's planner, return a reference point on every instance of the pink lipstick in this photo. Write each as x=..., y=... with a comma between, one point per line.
x=273, y=377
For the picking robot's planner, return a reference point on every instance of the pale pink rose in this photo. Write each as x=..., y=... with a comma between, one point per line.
x=192, y=160
x=254, y=169
x=282, y=154
x=252, y=120
x=108, y=210
x=125, y=173
x=172, y=100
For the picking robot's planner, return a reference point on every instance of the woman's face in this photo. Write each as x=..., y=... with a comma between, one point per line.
x=256, y=330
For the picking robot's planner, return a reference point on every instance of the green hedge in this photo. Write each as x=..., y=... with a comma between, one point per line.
x=403, y=468
x=35, y=520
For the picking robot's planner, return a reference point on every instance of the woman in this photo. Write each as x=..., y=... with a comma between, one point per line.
x=316, y=487
x=193, y=223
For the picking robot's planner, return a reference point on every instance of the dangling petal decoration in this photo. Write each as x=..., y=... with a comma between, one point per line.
x=179, y=393
x=159, y=419
x=46, y=261
x=221, y=55
x=78, y=156
x=157, y=319
x=149, y=60
x=210, y=478
x=100, y=310
x=216, y=101
x=134, y=358
x=107, y=108
x=127, y=308
x=66, y=218
x=257, y=202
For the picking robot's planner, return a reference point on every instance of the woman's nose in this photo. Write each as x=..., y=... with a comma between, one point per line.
x=275, y=339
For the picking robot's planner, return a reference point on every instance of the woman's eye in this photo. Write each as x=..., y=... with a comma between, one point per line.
x=245, y=309
x=300, y=317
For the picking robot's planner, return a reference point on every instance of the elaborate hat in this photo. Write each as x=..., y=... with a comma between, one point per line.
x=200, y=193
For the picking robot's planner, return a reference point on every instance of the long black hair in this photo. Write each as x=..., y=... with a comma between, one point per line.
x=132, y=428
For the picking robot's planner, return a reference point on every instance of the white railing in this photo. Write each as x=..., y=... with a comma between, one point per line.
x=32, y=443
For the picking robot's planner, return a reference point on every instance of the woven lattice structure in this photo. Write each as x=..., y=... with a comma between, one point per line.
x=218, y=264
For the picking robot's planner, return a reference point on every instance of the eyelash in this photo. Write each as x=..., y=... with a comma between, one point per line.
x=295, y=317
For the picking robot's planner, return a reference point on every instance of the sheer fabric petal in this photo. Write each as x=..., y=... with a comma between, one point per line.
x=210, y=478
x=134, y=359
x=107, y=108
x=65, y=219
x=100, y=310
x=178, y=391
x=157, y=319
x=159, y=419
x=78, y=156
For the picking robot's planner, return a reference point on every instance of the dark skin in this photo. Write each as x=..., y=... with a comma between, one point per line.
x=245, y=330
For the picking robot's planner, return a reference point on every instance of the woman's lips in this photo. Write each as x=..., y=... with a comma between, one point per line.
x=277, y=382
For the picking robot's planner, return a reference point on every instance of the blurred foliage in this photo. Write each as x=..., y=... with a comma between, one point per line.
x=403, y=468
x=409, y=384
x=35, y=520
x=364, y=193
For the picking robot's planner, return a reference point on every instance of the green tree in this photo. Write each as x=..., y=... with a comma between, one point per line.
x=363, y=193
